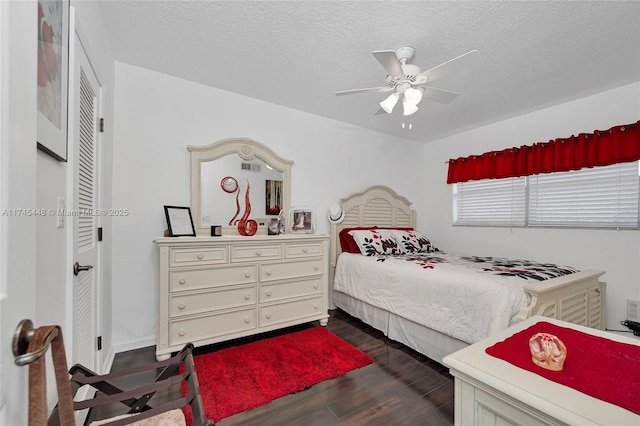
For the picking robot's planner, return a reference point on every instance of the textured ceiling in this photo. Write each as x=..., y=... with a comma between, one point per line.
x=297, y=54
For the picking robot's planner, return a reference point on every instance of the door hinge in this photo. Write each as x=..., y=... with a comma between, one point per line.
x=100, y=234
x=99, y=341
x=101, y=125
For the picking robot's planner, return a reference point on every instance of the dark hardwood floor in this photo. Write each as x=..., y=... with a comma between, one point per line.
x=401, y=387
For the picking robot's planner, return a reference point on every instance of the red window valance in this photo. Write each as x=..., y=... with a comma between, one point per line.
x=601, y=148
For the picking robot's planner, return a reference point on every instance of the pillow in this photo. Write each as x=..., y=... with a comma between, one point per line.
x=374, y=242
x=347, y=242
x=412, y=242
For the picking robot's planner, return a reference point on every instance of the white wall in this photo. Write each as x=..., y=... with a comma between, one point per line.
x=157, y=116
x=35, y=264
x=616, y=252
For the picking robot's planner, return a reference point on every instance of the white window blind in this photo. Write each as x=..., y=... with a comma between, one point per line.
x=492, y=202
x=599, y=197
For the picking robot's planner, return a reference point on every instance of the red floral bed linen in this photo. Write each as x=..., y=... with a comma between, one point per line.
x=466, y=297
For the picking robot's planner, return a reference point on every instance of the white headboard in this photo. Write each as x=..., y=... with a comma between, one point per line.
x=375, y=206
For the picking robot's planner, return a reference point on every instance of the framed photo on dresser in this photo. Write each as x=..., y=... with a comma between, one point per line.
x=303, y=220
x=179, y=221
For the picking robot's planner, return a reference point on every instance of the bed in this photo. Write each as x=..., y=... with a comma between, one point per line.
x=437, y=302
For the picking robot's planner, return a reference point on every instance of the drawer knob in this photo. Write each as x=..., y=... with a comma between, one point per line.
x=181, y=333
x=181, y=281
x=258, y=253
x=316, y=267
x=268, y=294
x=304, y=250
x=247, y=297
x=201, y=256
x=247, y=274
x=268, y=316
x=315, y=306
x=315, y=286
x=268, y=273
x=247, y=320
x=181, y=306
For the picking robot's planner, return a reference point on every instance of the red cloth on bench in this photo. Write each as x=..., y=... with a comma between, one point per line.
x=599, y=367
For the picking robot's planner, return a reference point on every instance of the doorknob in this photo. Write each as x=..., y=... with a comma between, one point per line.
x=77, y=268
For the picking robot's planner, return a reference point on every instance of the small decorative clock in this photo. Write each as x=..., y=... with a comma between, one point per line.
x=229, y=184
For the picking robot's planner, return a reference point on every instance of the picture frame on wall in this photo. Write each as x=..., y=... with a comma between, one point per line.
x=302, y=220
x=53, y=77
x=179, y=221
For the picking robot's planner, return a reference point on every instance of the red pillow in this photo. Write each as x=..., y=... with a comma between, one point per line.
x=349, y=245
x=347, y=242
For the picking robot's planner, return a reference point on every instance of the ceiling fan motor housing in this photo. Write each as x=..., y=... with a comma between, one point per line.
x=410, y=72
x=405, y=54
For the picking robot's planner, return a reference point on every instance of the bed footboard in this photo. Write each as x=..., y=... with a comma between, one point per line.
x=578, y=298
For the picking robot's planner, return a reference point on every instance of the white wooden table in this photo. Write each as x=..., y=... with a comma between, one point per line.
x=490, y=391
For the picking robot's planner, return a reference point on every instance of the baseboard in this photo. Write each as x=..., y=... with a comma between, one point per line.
x=107, y=361
x=136, y=344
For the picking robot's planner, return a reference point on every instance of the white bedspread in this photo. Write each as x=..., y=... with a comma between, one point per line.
x=452, y=295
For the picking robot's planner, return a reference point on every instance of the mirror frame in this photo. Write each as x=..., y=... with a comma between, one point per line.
x=246, y=149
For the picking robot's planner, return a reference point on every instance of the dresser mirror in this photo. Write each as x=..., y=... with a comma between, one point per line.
x=236, y=176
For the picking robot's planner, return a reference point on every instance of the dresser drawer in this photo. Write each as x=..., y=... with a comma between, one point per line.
x=181, y=304
x=279, y=271
x=198, y=256
x=278, y=291
x=206, y=327
x=283, y=312
x=249, y=253
x=206, y=278
x=308, y=249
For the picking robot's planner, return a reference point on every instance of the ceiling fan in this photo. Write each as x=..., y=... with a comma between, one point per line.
x=409, y=83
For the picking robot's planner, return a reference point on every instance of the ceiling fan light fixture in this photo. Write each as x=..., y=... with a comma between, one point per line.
x=409, y=108
x=413, y=96
x=389, y=103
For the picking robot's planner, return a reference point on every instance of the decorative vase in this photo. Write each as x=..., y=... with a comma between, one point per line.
x=247, y=226
x=233, y=220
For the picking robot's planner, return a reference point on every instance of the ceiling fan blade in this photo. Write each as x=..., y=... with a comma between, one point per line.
x=389, y=61
x=367, y=90
x=454, y=65
x=438, y=95
x=380, y=111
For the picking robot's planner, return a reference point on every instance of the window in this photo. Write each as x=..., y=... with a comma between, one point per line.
x=599, y=197
x=490, y=202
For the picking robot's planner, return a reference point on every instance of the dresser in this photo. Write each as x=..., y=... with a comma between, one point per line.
x=214, y=289
x=490, y=391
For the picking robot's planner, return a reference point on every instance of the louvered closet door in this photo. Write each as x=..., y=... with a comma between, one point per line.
x=85, y=204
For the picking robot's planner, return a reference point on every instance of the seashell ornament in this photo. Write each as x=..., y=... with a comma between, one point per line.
x=548, y=351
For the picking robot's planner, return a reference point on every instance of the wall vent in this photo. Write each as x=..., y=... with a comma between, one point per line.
x=250, y=167
x=633, y=310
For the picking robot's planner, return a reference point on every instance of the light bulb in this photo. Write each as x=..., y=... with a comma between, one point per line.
x=409, y=108
x=413, y=96
x=389, y=103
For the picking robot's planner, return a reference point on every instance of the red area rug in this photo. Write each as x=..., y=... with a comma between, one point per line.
x=244, y=377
